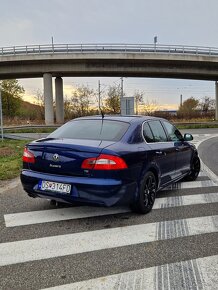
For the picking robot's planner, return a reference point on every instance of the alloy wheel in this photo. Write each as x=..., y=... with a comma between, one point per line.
x=149, y=191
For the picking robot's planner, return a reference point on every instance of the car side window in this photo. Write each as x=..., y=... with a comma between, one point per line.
x=147, y=133
x=158, y=131
x=172, y=132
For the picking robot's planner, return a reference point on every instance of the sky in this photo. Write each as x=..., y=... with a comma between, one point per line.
x=174, y=22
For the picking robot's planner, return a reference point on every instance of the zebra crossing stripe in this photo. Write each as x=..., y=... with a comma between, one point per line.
x=192, y=184
x=59, y=214
x=166, y=202
x=201, y=273
x=203, y=173
x=57, y=246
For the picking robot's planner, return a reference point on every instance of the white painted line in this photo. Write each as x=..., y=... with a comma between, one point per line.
x=202, y=271
x=195, y=184
x=203, y=173
x=174, y=201
x=191, y=184
x=57, y=246
x=60, y=214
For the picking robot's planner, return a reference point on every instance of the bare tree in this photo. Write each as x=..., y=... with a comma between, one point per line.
x=112, y=100
x=150, y=106
x=40, y=102
x=68, y=109
x=207, y=104
x=138, y=99
x=81, y=100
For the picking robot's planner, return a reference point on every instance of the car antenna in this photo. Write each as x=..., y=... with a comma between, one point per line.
x=102, y=119
x=102, y=113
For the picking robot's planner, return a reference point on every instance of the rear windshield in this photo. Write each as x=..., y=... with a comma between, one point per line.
x=92, y=130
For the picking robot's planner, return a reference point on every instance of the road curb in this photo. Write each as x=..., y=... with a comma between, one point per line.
x=204, y=167
x=8, y=185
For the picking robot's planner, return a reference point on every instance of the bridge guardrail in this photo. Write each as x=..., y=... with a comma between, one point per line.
x=105, y=48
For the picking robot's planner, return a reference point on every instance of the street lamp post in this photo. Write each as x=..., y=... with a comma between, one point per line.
x=155, y=42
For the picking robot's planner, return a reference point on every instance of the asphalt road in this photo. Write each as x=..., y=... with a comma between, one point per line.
x=208, y=151
x=173, y=247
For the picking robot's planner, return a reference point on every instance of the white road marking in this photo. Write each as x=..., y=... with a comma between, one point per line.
x=146, y=279
x=52, y=215
x=203, y=173
x=57, y=246
x=59, y=214
x=194, y=184
x=191, y=184
x=174, y=201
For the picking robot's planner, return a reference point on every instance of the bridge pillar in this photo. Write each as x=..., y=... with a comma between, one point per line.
x=216, y=108
x=59, y=100
x=48, y=95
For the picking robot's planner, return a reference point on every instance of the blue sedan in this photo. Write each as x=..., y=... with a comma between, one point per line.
x=109, y=160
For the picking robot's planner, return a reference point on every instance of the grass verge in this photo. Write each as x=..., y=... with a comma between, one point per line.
x=31, y=130
x=197, y=126
x=11, y=152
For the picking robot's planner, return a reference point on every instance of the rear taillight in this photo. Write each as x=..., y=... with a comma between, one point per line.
x=104, y=162
x=28, y=156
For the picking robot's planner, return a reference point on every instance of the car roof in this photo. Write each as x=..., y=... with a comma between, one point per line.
x=129, y=118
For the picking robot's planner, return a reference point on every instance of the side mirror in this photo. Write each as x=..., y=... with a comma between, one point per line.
x=188, y=137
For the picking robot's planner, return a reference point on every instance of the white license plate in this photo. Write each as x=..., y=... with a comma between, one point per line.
x=55, y=186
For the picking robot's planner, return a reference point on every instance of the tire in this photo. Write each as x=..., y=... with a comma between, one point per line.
x=147, y=194
x=195, y=169
x=53, y=202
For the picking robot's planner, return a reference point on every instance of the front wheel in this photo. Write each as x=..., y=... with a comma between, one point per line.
x=195, y=169
x=147, y=194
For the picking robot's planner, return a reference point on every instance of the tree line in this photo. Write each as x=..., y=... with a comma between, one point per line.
x=84, y=101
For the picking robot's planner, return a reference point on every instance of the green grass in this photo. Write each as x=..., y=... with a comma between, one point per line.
x=11, y=152
x=31, y=130
x=197, y=126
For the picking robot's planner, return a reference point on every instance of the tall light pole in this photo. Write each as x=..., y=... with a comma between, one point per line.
x=155, y=42
x=52, y=42
x=121, y=87
x=99, y=96
x=181, y=100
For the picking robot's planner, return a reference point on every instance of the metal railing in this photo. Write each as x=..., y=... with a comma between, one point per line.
x=106, y=48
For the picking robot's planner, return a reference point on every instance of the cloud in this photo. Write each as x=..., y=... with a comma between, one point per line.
x=16, y=31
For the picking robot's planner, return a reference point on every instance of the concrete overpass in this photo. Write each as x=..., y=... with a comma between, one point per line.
x=162, y=61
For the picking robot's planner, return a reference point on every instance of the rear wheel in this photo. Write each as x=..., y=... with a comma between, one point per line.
x=147, y=194
x=195, y=169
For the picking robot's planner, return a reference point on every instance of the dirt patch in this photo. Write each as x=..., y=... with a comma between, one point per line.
x=4, y=152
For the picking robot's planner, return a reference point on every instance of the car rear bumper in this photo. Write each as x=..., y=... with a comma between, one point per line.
x=99, y=191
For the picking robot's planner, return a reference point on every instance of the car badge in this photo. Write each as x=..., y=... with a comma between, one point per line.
x=55, y=157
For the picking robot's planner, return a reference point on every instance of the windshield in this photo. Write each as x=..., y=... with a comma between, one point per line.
x=107, y=130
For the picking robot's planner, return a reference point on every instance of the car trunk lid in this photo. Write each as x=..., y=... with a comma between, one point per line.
x=64, y=156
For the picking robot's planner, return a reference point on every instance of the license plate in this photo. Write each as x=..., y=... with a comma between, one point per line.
x=55, y=186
